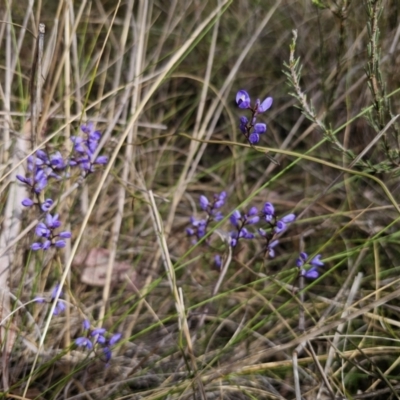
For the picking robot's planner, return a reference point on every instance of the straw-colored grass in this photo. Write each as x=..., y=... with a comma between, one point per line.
x=159, y=80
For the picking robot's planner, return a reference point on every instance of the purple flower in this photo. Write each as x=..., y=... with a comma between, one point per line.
x=46, y=230
x=260, y=128
x=107, y=354
x=55, y=291
x=302, y=259
x=218, y=261
x=45, y=206
x=235, y=218
x=52, y=222
x=254, y=138
x=42, y=230
x=46, y=244
x=316, y=262
x=27, y=202
x=243, y=124
x=40, y=300
x=65, y=235
x=57, y=161
x=40, y=181
x=270, y=248
x=114, y=338
x=281, y=225
x=311, y=273
x=59, y=308
x=243, y=99
x=265, y=105
x=102, y=160
x=60, y=305
x=288, y=218
x=36, y=246
x=78, y=144
x=59, y=244
x=85, y=148
x=219, y=200
x=98, y=331
x=86, y=325
x=269, y=211
x=252, y=216
x=25, y=180
x=218, y=216
x=84, y=342
x=245, y=234
x=190, y=231
x=204, y=202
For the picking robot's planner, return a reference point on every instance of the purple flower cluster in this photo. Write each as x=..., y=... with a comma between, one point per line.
x=99, y=338
x=249, y=127
x=45, y=230
x=43, y=166
x=85, y=150
x=198, y=227
x=60, y=306
x=241, y=222
x=316, y=263
x=276, y=227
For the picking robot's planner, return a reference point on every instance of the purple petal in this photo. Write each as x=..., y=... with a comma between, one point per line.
x=311, y=273
x=203, y=202
x=107, y=354
x=59, y=244
x=303, y=256
x=114, y=338
x=262, y=232
x=52, y=222
x=218, y=216
x=60, y=308
x=218, y=261
x=23, y=179
x=243, y=99
x=42, y=155
x=86, y=325
x=55, y=291
x=27, y=202
x=265, y=105
x=253, y=220
x=101, y=160
x=288, y=218
x=65, y=235
x=235, y=217
x=98, y=331
x=269, y=209
x=46, y=245
x=273, y=244
x=260, y=128
x=36, y=246
x=100, y=339
x=46, y=205
x=57, y=161
x=280, y=227
x=84, y=342
x=243, y=120
x=254, y=138
x=42, y=230
x=40, y=300
x=316, y=262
